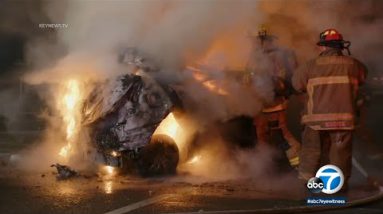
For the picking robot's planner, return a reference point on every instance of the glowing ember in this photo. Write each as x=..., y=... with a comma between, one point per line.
x=197, y=74
x=110, y=170
x=108, y=187
x=69, y=110
x=114, y=154
x=213, y=86
x=195, y=159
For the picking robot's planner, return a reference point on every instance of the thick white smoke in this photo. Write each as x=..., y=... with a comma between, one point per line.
x=174, y=33
x=169, y=30
x=298, y=24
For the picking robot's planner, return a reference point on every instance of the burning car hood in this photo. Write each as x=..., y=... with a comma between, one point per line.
x=127, y=109
x=110, y=95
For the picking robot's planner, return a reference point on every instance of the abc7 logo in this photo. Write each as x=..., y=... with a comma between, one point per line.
x=329, y=179
x=315, y=185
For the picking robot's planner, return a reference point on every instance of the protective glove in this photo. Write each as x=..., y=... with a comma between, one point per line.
x=293, y=155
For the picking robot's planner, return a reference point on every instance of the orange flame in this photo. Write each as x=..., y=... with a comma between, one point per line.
x=211, y=85
x=69, y=110
x=195, y=159
x=169, y=126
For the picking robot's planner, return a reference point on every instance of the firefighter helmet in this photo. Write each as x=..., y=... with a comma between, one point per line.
x=332, y=38
x=262, y=34
x=263, y=31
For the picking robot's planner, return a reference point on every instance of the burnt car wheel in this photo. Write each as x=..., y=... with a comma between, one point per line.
x=160, y=157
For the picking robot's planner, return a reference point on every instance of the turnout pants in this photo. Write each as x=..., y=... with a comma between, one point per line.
x=265, y=122
x=321, y=147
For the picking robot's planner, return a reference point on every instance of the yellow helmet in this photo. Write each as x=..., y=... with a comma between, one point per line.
x=263, y=33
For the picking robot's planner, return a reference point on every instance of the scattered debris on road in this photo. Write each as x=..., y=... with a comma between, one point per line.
x=64, y=172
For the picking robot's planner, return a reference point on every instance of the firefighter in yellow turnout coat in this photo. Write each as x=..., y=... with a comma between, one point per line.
x=331, y=83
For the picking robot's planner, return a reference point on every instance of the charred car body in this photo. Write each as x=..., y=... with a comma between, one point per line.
x=123, y=113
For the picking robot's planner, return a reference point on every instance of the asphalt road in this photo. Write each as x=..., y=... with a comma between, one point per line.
x=42, y=193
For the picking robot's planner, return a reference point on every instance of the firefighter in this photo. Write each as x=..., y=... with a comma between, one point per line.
x=331, y=83
x=277, y=64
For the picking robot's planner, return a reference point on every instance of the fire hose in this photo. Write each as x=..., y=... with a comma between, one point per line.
x=362, y=171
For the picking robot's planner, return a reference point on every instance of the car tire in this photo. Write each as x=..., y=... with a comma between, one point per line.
x=159, y=157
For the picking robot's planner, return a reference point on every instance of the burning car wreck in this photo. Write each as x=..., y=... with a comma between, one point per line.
x=122, y=115
x=133, y=118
